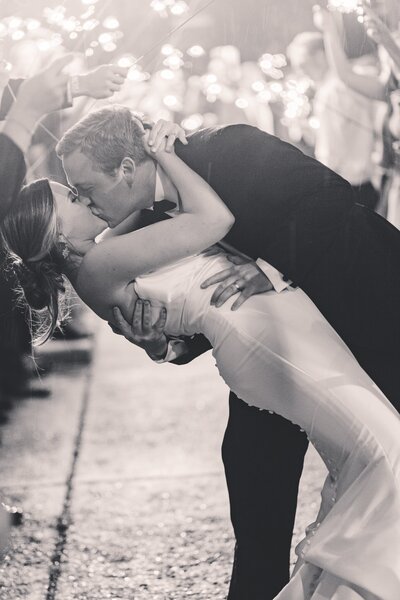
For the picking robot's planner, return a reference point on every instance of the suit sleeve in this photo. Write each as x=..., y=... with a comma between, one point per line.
x=196, y=345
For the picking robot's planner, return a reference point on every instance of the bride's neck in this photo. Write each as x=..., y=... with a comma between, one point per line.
x=73, y=256
x=71, y=266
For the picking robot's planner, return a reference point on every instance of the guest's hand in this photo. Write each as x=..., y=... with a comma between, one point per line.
x=325, y=20
x=244, y=278
x=102, y=82
x=375, y=27
x=146, y=329
x=321, y=17
x=163, y=135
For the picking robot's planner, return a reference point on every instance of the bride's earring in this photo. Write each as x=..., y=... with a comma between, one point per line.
x=64, y=247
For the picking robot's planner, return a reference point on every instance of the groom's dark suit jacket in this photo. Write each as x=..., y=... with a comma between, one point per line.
x=300, y=216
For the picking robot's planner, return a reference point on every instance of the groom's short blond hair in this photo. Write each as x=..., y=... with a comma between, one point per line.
x=106, y=136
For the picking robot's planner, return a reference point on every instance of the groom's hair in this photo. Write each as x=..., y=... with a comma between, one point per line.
x=106, y=136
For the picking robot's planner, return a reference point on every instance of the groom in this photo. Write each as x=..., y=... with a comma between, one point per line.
x=300, y=217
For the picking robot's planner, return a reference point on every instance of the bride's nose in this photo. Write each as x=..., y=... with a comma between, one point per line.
x=84, y=201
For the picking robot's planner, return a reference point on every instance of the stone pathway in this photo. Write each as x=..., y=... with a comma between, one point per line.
x=121, y=481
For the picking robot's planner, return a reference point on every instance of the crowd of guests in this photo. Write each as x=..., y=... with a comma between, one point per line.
x=346, y=113
x=25, y=126
x=356, y=104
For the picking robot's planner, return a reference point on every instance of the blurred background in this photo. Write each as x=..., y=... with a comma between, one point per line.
x=203, y=63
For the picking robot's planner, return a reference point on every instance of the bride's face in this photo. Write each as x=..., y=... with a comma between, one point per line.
x=75, y=219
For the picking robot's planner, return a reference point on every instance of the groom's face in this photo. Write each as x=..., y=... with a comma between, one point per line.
x=111, y=197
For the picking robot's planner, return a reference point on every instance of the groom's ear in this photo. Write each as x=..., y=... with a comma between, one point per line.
x=128, y=169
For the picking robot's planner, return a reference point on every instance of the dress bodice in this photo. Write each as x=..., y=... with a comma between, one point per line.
x=173, y=285
x=278, y=353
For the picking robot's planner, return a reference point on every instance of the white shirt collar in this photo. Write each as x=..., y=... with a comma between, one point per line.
x=159, y=193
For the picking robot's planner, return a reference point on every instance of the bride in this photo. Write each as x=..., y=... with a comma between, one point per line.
x=277, y=352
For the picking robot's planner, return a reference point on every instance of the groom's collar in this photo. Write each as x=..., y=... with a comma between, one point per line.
x=159, y=193
x=162, y=184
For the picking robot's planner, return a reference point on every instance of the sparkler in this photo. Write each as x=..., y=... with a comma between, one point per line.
x=166, y=7
x=349, y=7
x=272, y=65
x=60, y=27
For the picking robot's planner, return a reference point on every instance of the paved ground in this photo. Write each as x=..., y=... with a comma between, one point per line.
x=120, y=478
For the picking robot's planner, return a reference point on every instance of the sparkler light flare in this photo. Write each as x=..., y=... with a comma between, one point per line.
x=347, y=6
x=193, y=122
x=272, y=65
x=164, y=8
x=196, y=51
x=62, y=27
x=167, y=74
x=173, y=61
x=111, y=23
x=126, y=60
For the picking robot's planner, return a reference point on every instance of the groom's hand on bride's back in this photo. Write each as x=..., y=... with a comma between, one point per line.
x=146, y=329
x=244, y=278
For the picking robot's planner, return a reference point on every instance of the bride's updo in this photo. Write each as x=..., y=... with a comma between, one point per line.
x=30, y=237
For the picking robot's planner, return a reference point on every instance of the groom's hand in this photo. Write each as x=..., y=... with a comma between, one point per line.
x=244, y=278
x=146, y=329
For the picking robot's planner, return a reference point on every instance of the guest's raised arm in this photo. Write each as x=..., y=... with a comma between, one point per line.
x=382, y=35
x=37, y=96
x=25, y=102
x=370, y=86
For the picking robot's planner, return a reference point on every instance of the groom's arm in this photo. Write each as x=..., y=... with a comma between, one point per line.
x=133, y=222
x=147, y=330
x=191, y=348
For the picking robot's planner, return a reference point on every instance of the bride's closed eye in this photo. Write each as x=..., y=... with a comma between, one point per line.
x=73, y=194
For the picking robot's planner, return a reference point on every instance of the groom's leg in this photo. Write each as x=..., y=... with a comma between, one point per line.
x=383, y=368
x=263, y=456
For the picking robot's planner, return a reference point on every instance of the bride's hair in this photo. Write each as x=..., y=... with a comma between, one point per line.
x=30, y=237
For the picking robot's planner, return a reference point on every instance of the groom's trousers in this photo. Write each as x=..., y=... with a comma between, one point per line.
x=263, y=457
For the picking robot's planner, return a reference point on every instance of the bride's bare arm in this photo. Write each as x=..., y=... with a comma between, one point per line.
x=205, y=220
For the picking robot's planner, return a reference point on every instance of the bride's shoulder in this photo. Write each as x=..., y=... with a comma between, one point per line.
x=94, y=284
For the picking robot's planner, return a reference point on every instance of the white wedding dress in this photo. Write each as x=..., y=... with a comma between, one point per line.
x=277, y=352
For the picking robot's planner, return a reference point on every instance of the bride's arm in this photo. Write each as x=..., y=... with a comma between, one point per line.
x=205, y=220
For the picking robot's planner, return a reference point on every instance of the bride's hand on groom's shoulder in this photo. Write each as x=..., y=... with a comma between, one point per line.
x=163, y=135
